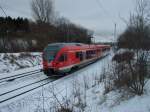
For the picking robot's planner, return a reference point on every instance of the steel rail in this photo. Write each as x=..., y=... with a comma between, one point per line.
x=28, y=85
x=19, y=76
x=21, y=93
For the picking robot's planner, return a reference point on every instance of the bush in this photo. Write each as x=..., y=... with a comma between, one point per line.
x=25, y=55
x=128, y=72
x=125, y=56
x=63, y=109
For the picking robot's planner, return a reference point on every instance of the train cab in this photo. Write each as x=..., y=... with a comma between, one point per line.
x=56, y=58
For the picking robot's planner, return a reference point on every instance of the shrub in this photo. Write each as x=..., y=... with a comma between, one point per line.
x=64, y=109
x=125, y=56
x=128, y=72
x=25, y=55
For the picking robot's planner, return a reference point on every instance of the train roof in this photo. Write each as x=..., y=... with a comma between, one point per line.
x=65, y=44
x=75, y=46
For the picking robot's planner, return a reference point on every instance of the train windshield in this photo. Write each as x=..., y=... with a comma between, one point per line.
x=50, y=52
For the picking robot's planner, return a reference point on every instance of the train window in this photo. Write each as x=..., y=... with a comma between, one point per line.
x=90, y=54
x=63, y=57
x=87, y=54
x=50, y=52
x=104, y=49
x=79, y=55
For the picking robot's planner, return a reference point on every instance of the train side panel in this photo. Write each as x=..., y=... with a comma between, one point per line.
x=71, y=57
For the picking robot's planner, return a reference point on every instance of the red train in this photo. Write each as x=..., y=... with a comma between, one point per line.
x=63, y=57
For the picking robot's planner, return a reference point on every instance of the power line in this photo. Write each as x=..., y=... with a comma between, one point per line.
x=105, y=11
x=3, y=11
x=22, y=12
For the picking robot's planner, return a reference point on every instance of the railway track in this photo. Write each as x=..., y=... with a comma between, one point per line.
x=18, y=91
x=17, y=76
x=22, y=90
x=12, y=94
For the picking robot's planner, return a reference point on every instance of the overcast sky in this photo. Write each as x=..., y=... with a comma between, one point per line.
x=97, y=15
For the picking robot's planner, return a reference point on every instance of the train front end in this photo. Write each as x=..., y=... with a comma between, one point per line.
x=49, y=57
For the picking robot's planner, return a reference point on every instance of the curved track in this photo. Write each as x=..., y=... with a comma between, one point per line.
x=17, y=76
x=11, y=94
x=22, y=90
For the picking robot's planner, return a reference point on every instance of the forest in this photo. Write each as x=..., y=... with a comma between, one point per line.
x=23, y=34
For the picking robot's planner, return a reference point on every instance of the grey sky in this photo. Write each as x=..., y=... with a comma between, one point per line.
x=98, y=16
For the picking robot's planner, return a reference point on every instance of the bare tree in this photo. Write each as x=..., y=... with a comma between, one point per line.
x=137, y=34
x=136, y=38
x=42, y=10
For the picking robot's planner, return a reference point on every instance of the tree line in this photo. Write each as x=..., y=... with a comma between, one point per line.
x=131, y=67
x=21, y=34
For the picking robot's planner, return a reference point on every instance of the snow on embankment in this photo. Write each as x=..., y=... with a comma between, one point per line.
x=15, y=61
x=84, y=91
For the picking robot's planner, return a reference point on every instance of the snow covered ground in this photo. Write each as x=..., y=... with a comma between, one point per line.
x=10, y=62
x=83, y=91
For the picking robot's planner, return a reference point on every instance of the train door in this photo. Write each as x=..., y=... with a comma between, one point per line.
x=63, y=60
x=84, y=55
x=98, y=52
x=71, y=58
x=80, y=55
